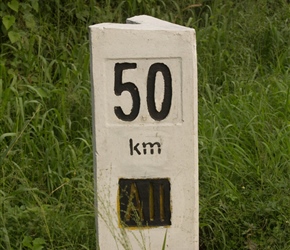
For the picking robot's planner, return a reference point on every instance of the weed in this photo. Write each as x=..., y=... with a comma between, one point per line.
x=46, y=184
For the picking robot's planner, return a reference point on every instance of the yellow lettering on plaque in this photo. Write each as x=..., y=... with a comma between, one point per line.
x=135, y=208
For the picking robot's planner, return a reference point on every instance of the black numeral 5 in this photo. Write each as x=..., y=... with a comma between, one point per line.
x=127, y=86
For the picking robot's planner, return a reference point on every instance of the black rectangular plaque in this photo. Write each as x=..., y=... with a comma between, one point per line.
x=144, y=202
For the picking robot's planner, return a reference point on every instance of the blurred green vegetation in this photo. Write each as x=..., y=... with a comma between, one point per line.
x=46, y=184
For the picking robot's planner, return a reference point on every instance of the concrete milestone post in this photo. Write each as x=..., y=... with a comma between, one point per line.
x=144, y=83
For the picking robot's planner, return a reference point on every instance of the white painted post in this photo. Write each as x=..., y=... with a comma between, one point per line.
x=144, y=84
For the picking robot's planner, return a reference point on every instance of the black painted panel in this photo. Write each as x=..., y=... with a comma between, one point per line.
x=144, y=202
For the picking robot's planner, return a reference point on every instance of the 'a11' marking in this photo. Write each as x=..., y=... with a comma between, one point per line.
x=120, y=87
x=144, y=202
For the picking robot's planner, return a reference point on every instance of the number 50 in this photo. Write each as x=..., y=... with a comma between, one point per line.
x=119, y=87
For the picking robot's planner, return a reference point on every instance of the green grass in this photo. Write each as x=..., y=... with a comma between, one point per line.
x=46, y=184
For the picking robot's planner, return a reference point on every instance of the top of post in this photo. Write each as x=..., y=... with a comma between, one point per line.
x=145, y=22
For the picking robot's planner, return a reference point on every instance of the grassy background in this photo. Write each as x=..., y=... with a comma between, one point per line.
x=46, y=184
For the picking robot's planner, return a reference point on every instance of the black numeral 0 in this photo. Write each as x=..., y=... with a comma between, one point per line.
x=166, y=104
x=119, y=87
